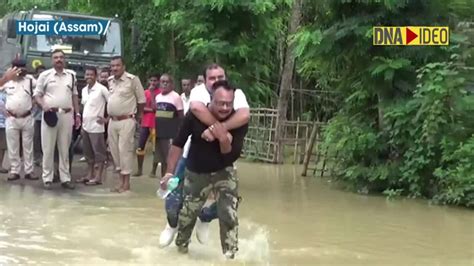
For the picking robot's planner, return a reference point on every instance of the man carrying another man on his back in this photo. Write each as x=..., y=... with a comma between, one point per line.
x=199, y=99
x=200, y=96
x=209, y=167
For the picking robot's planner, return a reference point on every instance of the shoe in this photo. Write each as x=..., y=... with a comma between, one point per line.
x=67, y=185
x=138, y=173
x=183, y=249
x=13, y=177
x=83, y=159
x=31, y=177
x=167, y=236
x=3, y=170
x=202, y=231
x=229, y=255
x=47, y=185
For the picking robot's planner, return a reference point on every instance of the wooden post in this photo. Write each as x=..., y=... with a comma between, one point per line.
x=309, y=148
x=295, y=151
x=324, y=162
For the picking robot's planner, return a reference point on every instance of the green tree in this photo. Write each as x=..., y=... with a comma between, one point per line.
x=402, y=125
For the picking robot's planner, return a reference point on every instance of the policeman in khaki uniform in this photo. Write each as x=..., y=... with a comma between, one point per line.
x=56, y=93
x=20, y=121
x=126, y=103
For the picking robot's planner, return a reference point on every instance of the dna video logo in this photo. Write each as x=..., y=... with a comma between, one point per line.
x=411, y=35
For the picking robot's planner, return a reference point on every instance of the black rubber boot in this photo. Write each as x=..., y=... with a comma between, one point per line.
x=153, y=170
x=140, y=159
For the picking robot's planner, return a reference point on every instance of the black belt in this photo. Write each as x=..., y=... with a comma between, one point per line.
x=120, y=117
x=19, y=116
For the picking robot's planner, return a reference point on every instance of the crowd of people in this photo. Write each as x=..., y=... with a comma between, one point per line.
x=197, y=137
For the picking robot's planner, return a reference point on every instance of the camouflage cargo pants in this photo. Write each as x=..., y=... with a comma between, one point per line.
x=197, y=187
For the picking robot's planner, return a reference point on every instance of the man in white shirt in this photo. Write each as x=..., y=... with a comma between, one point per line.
x=94, y=99
x=186, y=88
x=199, y=80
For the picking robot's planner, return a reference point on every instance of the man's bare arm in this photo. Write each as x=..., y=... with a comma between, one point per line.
x=40, y=101
x=238, y=119
x=173, y=157
x=202, y=113
x=140, y=107
x=9, y=75
x=75, y=103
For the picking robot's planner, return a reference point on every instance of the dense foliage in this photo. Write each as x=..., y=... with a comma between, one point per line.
x=405, y=126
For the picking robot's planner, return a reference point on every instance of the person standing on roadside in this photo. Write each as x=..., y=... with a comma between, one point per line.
x=147, y=128
x=169, y=112
x=56, y=93
x=94, y=100
x=125, y=108
x=20, y=122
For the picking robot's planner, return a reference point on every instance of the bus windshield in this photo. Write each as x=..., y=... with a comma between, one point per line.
x=105, y=45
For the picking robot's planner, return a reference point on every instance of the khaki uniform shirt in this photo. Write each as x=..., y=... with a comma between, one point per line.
x=57, y=88
x=125, y=93
x=19, y=95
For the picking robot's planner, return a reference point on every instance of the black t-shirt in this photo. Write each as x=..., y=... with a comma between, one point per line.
x=203, y=156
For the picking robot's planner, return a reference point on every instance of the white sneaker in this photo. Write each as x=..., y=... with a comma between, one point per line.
x=167, y=236
x=202, y=231
x=229, y=255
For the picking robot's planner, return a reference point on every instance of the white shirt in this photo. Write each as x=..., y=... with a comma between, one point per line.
x=185, y=102
x=94, y=100
x=19, y=95
x=186, y=109
x=201, y=94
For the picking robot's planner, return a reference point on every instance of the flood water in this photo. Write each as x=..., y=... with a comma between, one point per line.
x=285, y=219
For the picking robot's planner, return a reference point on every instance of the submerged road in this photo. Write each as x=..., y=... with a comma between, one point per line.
x=284, y=219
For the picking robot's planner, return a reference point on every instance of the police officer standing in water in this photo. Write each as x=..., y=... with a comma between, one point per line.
x=125, y=108
x=20, y=121
x=56, y=93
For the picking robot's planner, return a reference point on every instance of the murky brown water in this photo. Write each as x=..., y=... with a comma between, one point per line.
x=284, y=219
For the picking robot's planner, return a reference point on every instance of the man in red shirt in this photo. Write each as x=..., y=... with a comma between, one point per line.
x=148, y=120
